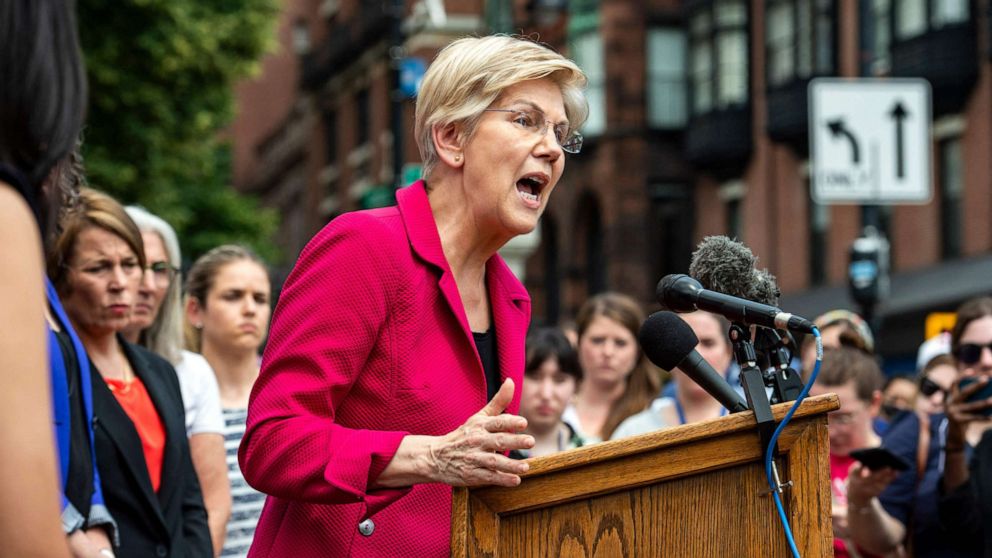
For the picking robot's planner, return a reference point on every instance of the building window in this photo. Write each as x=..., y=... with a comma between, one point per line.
x=301, y=37
x=948, y=12
x=914, y=17
x=331, y=136
x=951, y=187
x=363, y=116
x=718, y=56
x=799, y=40
x=587, y=51
x=552, y=269
x=702, y=64
x=911, y=18
x=595, y=258
x=779, y=40
x=819, y=223
x=666, y=78
x=731, y=55
x=881, y=40
x=672, y=219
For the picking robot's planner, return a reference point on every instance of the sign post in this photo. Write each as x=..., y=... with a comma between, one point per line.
x=869, y=144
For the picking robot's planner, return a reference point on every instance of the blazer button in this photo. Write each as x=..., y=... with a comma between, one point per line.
x=366, y=528
x=161, y=551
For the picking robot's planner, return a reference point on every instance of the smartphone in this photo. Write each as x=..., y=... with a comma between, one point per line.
x=878, y=458
x=980, y=395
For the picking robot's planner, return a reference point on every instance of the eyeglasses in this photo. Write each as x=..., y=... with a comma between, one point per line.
x=970, y=353
x=162, y=273
x=841, y=418
x=535, y=122
x=929, y=387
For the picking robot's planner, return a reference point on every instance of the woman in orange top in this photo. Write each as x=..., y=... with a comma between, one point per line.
x=148, y=480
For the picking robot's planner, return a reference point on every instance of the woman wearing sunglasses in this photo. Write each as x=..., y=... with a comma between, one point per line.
x=882, y=515
x=935, y=382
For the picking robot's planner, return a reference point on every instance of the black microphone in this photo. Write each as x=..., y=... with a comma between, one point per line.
x=681, y=293
x=669, y=342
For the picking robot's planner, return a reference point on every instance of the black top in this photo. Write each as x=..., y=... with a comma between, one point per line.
x=485, y=343
x=16, y=178
x=966, y=511
x=79, y=484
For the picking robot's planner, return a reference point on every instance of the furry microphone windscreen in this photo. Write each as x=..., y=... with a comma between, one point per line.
x=725, y=266
x=766, y=290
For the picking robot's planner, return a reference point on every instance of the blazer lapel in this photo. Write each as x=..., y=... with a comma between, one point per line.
x=158, y=391
x=421, y=229
x=510, y=301
x=111, y=418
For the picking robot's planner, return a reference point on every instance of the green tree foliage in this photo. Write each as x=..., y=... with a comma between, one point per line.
x=162, y=75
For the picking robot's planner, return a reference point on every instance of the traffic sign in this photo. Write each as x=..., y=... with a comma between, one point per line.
x=870, y=140
x=411, y=74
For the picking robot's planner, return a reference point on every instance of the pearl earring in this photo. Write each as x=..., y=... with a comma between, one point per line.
x=458, y=158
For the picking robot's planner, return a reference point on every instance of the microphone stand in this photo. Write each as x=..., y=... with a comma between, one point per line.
x=754, y=383
x=754, y=389
x=786, y=383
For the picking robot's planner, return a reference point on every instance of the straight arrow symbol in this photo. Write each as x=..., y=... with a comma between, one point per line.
x=899, y=114
x=837, y=128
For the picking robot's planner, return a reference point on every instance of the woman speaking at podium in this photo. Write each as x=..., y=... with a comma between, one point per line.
x=397, y=325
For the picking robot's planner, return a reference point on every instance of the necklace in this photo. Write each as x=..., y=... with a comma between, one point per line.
x=123, y=385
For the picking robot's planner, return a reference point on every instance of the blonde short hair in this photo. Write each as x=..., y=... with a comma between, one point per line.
x=470, y=73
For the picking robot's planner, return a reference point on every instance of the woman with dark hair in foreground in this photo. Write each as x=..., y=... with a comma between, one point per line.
x=42, y=104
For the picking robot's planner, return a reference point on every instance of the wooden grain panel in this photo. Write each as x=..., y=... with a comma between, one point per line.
x=808, y=501
x=669, y=519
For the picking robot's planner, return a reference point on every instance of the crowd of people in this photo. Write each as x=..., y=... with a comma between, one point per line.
x=161, y=423
x=401, y=361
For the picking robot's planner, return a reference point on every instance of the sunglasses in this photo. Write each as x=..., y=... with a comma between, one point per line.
x=928, y=387
x=970, y=353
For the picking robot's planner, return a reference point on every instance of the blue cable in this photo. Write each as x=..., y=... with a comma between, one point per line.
x=769, y=454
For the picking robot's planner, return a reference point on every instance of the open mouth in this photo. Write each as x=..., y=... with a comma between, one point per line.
x=530, y=186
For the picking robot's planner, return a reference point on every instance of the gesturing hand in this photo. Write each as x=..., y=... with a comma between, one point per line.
x=472, y=454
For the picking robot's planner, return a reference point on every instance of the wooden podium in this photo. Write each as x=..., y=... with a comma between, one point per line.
x=697, y=490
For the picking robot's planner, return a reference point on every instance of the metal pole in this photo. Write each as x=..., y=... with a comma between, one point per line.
x=396, y=54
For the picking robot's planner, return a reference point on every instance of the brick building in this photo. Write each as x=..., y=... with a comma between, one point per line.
x=698, y=126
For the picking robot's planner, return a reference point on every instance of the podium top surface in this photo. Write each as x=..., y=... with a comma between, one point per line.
x=675, y=436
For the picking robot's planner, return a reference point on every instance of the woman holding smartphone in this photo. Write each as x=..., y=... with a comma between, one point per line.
x=938, y=447
x=966, y=503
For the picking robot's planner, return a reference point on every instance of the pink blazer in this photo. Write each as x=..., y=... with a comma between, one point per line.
x=369, y=343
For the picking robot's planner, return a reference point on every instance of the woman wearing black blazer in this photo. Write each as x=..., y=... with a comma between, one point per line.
x=154, y=522
x=149, y=484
